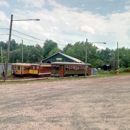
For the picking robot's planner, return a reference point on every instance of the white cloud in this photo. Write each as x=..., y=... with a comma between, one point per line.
x=86, y=29
x=69, y=25
x=33, y=3
x=4, y=22
x=127, y=7
x=100, y=46
x=119, y=23
x=4, y=3
x=3, y=19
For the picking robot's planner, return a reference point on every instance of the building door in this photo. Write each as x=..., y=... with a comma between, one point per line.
x=61, y=71
x=89, y=70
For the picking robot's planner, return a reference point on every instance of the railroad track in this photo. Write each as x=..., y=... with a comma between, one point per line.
x=35, y=78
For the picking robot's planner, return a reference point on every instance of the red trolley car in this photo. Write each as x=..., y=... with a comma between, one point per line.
x=40, y=70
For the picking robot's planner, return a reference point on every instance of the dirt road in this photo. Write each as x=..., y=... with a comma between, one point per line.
x=85, y=104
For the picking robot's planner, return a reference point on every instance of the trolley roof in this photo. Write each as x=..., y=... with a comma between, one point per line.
x=42, y=65
x=69, y=63
x=21, y=64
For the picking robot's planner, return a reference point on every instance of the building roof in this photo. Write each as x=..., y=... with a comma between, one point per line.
x=70, y=57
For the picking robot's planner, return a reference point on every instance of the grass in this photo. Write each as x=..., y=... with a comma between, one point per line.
x=39, y=80
x=121, y=71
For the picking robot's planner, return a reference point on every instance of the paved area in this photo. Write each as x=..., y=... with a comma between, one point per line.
x=85, y=104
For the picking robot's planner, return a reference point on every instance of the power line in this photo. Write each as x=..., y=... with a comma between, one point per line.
x=24, y=34
x=28, y=36
x=4, y=34
x=21, y=38
x=25, y=39
x=4, y=28
x=30, y=40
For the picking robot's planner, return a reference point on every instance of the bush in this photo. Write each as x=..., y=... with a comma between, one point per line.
x=122, y=70
x=112, y=71
x=102, y=72
x=127, y=70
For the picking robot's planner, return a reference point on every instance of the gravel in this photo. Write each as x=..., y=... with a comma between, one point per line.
x=78, y=104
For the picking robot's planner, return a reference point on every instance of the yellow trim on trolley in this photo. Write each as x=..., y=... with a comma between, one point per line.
x=33, y=71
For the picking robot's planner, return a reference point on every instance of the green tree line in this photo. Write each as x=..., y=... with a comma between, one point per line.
x=95, y=56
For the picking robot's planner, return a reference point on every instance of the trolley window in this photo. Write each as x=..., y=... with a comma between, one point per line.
x=34, y=68
x=13, y=67
x=55, y=67
x=17, y=67
x=26, y=68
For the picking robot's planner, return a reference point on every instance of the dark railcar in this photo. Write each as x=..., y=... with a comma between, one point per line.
x=61, y=69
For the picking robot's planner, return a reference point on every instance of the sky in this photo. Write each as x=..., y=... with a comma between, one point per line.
x=67, y=21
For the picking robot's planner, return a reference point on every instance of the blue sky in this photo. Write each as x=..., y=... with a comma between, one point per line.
x=68, y=21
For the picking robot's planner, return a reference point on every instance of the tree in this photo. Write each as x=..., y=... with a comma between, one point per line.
x=34, y=54
x=77, y=50
x=66, y=47
x=95, y=57
x=55, y=50
x=3, y=45
x=49, y=45
x=124, y=57
x=13, y=45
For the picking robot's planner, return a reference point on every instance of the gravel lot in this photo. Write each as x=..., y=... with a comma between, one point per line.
x=84, y=104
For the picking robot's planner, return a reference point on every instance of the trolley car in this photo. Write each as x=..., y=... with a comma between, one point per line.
x=20, y=69
x=40, y=70
x=61, y=69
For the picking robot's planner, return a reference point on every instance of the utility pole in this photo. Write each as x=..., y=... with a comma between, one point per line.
x=2, y=58
x=117, y=56
x=114, y=62
x=8, y=50
x=22, y=51
x=86, y=43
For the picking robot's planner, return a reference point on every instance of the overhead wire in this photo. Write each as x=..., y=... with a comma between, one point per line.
x=4, y=34
x=33, y=41
x=27, y=39
x=24, y=34
x=28, y=36
x=22, y=38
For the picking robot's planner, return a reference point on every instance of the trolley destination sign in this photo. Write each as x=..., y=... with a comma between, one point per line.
x=74, y=67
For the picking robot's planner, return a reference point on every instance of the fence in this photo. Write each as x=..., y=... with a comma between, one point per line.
x=3, y=66
x=94, y=71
